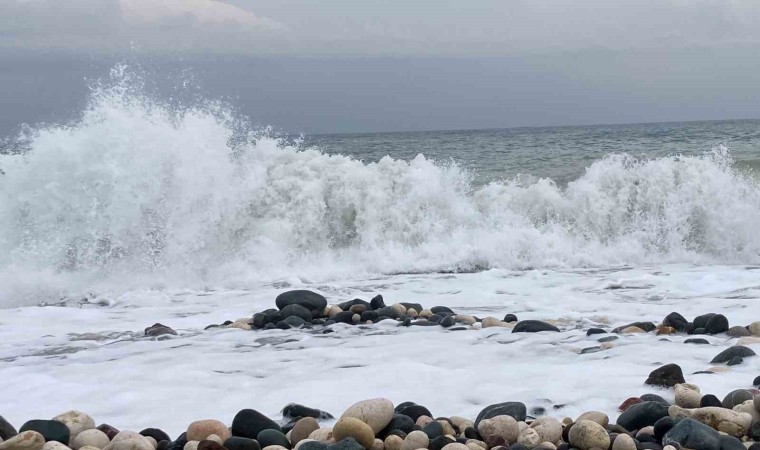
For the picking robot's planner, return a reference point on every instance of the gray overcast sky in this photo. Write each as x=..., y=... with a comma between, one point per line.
x=348, y=65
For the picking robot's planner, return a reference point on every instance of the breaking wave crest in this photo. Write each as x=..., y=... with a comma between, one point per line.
x=139, y=193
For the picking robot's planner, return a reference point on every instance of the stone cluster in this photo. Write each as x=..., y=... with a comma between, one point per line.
x=695, y=421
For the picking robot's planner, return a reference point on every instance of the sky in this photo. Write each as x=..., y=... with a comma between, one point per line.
x=362, y=66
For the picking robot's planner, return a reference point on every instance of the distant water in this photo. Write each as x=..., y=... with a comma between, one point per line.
x=558, y=153
x=137, y=193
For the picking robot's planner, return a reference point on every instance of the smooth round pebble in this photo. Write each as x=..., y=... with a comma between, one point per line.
x=93, y=437
x=77, y=422
x=586, y=435
x=414, y=440
x=355, y=428
x=376, y=412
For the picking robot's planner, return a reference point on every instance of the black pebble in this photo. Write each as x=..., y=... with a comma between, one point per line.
x=249, y=423
x=533, y=326
x=732, y=352
x=754, y=432
x=157, y=434
x=344, y=317
x=517, y=410
x=348, y=443
x=676, y=321
x=472, y=433
x=272, y=437
x=654, y=398
x=298, y=411
x=662, y=426
x=415, y=306
x=316, y=303
x=735, y=361
x=439, y=442
x=716, y=324
x=398, y=422
x=51, y=430
x=377, y=302
x=701, y=321
x=370, y=315
x=259, y=320
x=642, y=415
x=667, y=376
x=6, y=429
x=162, y=445
x=447, y=322
x=298, y=311
x=433, y=429
x=441, y=310
x=177, y=444
x=607, y=339
x=435, y=318
x=345, y=306
x=510, y=318
x=731, y=443
x=592, y=331
x=709, y=400
x=698, y=341
x=412, y=410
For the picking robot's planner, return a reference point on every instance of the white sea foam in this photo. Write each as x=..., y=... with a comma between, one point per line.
x=140, y=194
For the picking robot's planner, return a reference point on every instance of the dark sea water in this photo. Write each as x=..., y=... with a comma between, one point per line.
x=559, y=153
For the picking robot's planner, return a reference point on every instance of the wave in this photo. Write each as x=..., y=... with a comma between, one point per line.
x=139, y=194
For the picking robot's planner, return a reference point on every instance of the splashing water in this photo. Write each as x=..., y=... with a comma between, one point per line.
x=138, y=193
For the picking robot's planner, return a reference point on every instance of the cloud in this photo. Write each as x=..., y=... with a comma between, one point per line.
x=390, y=27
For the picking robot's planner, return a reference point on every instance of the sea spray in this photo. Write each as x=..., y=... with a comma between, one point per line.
x=138, y=193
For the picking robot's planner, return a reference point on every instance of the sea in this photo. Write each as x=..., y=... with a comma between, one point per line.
x=140, y=211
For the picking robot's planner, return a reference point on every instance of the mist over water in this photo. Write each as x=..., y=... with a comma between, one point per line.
x=140, y=193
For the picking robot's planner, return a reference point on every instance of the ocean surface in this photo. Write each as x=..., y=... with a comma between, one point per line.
x=141, y=211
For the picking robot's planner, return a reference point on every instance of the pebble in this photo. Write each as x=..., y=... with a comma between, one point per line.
x=728, y=421
x=129, y=440
x=595, y=416
x=628, y=402
x=249, y=423
x=92, y=437
x=687, y=395
x=732, y=352
x=490, y=322
x=414, y=440
x=624, y=442
x=689, y=433
x=241, y=443
x=26, y=440
x=642, y=415
x=155, y=433
x=587, y=435
x=310, y=300
x=412, y=410
x=667, y=376
x=377, y=413
x=302, y=429
x=529, y=438
x=158, y=329
x=499, y=430
x=533, y=326
x=355, y=428
x=698, y=341
x=270, y=437
x=77, y=422
x=677, y=322
x=716, y=324
x=393, y=442
x=516, y=410
x=737, y=331
x=322, y=435
x=110, y=431
x=202, y=429
x=736, y=397
x=548, y=428
x=51, y=430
